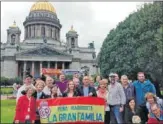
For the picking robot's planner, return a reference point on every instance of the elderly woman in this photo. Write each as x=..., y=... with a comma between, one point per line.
x=26, y=107
x=152, y=99
x=103, y=93
x=39, y=94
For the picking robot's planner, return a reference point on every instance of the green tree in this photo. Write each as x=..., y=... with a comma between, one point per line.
x=136, y=44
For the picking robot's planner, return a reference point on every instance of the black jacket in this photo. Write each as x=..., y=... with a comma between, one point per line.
x=65, y=94
x=43, y=95
x=129, y=114
x=90, y=90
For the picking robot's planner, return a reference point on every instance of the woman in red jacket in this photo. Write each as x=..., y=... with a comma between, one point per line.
x=26, y=107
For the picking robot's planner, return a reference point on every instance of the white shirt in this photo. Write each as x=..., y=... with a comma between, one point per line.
x=47, y=91
x=19, y=94
x=15, y=86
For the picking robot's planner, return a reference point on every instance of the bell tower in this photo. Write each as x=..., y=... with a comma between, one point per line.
x=72, y=38
x=13, y=34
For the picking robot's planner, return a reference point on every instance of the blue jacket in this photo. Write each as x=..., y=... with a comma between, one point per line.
x=141, y=89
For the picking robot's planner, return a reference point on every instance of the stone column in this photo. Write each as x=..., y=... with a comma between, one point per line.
x=52, y=32
x=28, y=32
x=55, y=34
x=48, y=64
x=24, y=69
x=46, y=31
x=25, y=32
x=36, y=28
x=33, y=68
x=56, y=65
x=17, y=69
x=40, y=68
x=59, y=34
x=32, y=31
x=63, y=65
x=39, y=30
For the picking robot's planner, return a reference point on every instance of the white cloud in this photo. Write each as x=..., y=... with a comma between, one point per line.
x=92, y=20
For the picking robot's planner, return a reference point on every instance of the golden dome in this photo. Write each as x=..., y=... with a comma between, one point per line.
x=43, y=5
x=14, y=25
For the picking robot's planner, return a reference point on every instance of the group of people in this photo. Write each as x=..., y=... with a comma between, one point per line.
x=126, y=102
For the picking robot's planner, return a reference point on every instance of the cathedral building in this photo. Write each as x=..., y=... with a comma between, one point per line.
x=42, y=46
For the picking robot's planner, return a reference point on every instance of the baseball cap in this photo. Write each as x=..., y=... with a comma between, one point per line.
x=28, y=75
x=112, y=75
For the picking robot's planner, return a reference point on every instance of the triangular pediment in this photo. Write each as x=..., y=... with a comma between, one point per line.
x=43, y=51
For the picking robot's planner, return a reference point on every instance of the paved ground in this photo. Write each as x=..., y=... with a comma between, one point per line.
x=3, y=97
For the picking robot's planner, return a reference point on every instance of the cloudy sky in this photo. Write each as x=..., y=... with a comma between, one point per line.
x=91, y=20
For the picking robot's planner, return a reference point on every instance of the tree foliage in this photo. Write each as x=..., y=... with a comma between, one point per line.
x=136, y=44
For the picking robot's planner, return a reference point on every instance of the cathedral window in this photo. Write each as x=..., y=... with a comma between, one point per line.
x=72, y=42
x=51, y=32
x=43, y=31
x=13, y=39
x=56, y=34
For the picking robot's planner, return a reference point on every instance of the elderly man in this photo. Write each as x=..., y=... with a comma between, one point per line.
x=157, y=115
x=49, y=84
x=86, y=89
x=117, y=99
x=128, y=88
x=27, y=82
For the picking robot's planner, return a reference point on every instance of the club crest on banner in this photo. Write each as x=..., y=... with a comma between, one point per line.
x=44, y=110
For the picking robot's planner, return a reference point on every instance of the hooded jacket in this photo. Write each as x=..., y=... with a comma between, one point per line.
x=141, y=89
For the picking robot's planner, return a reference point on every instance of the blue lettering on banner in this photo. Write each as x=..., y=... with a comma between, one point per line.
x=72, y=117
x=60, y=117
x=82, y=117
x=99, y=117
x=54, y=119
x=88, y=116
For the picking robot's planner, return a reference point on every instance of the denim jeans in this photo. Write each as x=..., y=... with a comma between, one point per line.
x=115, y=115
